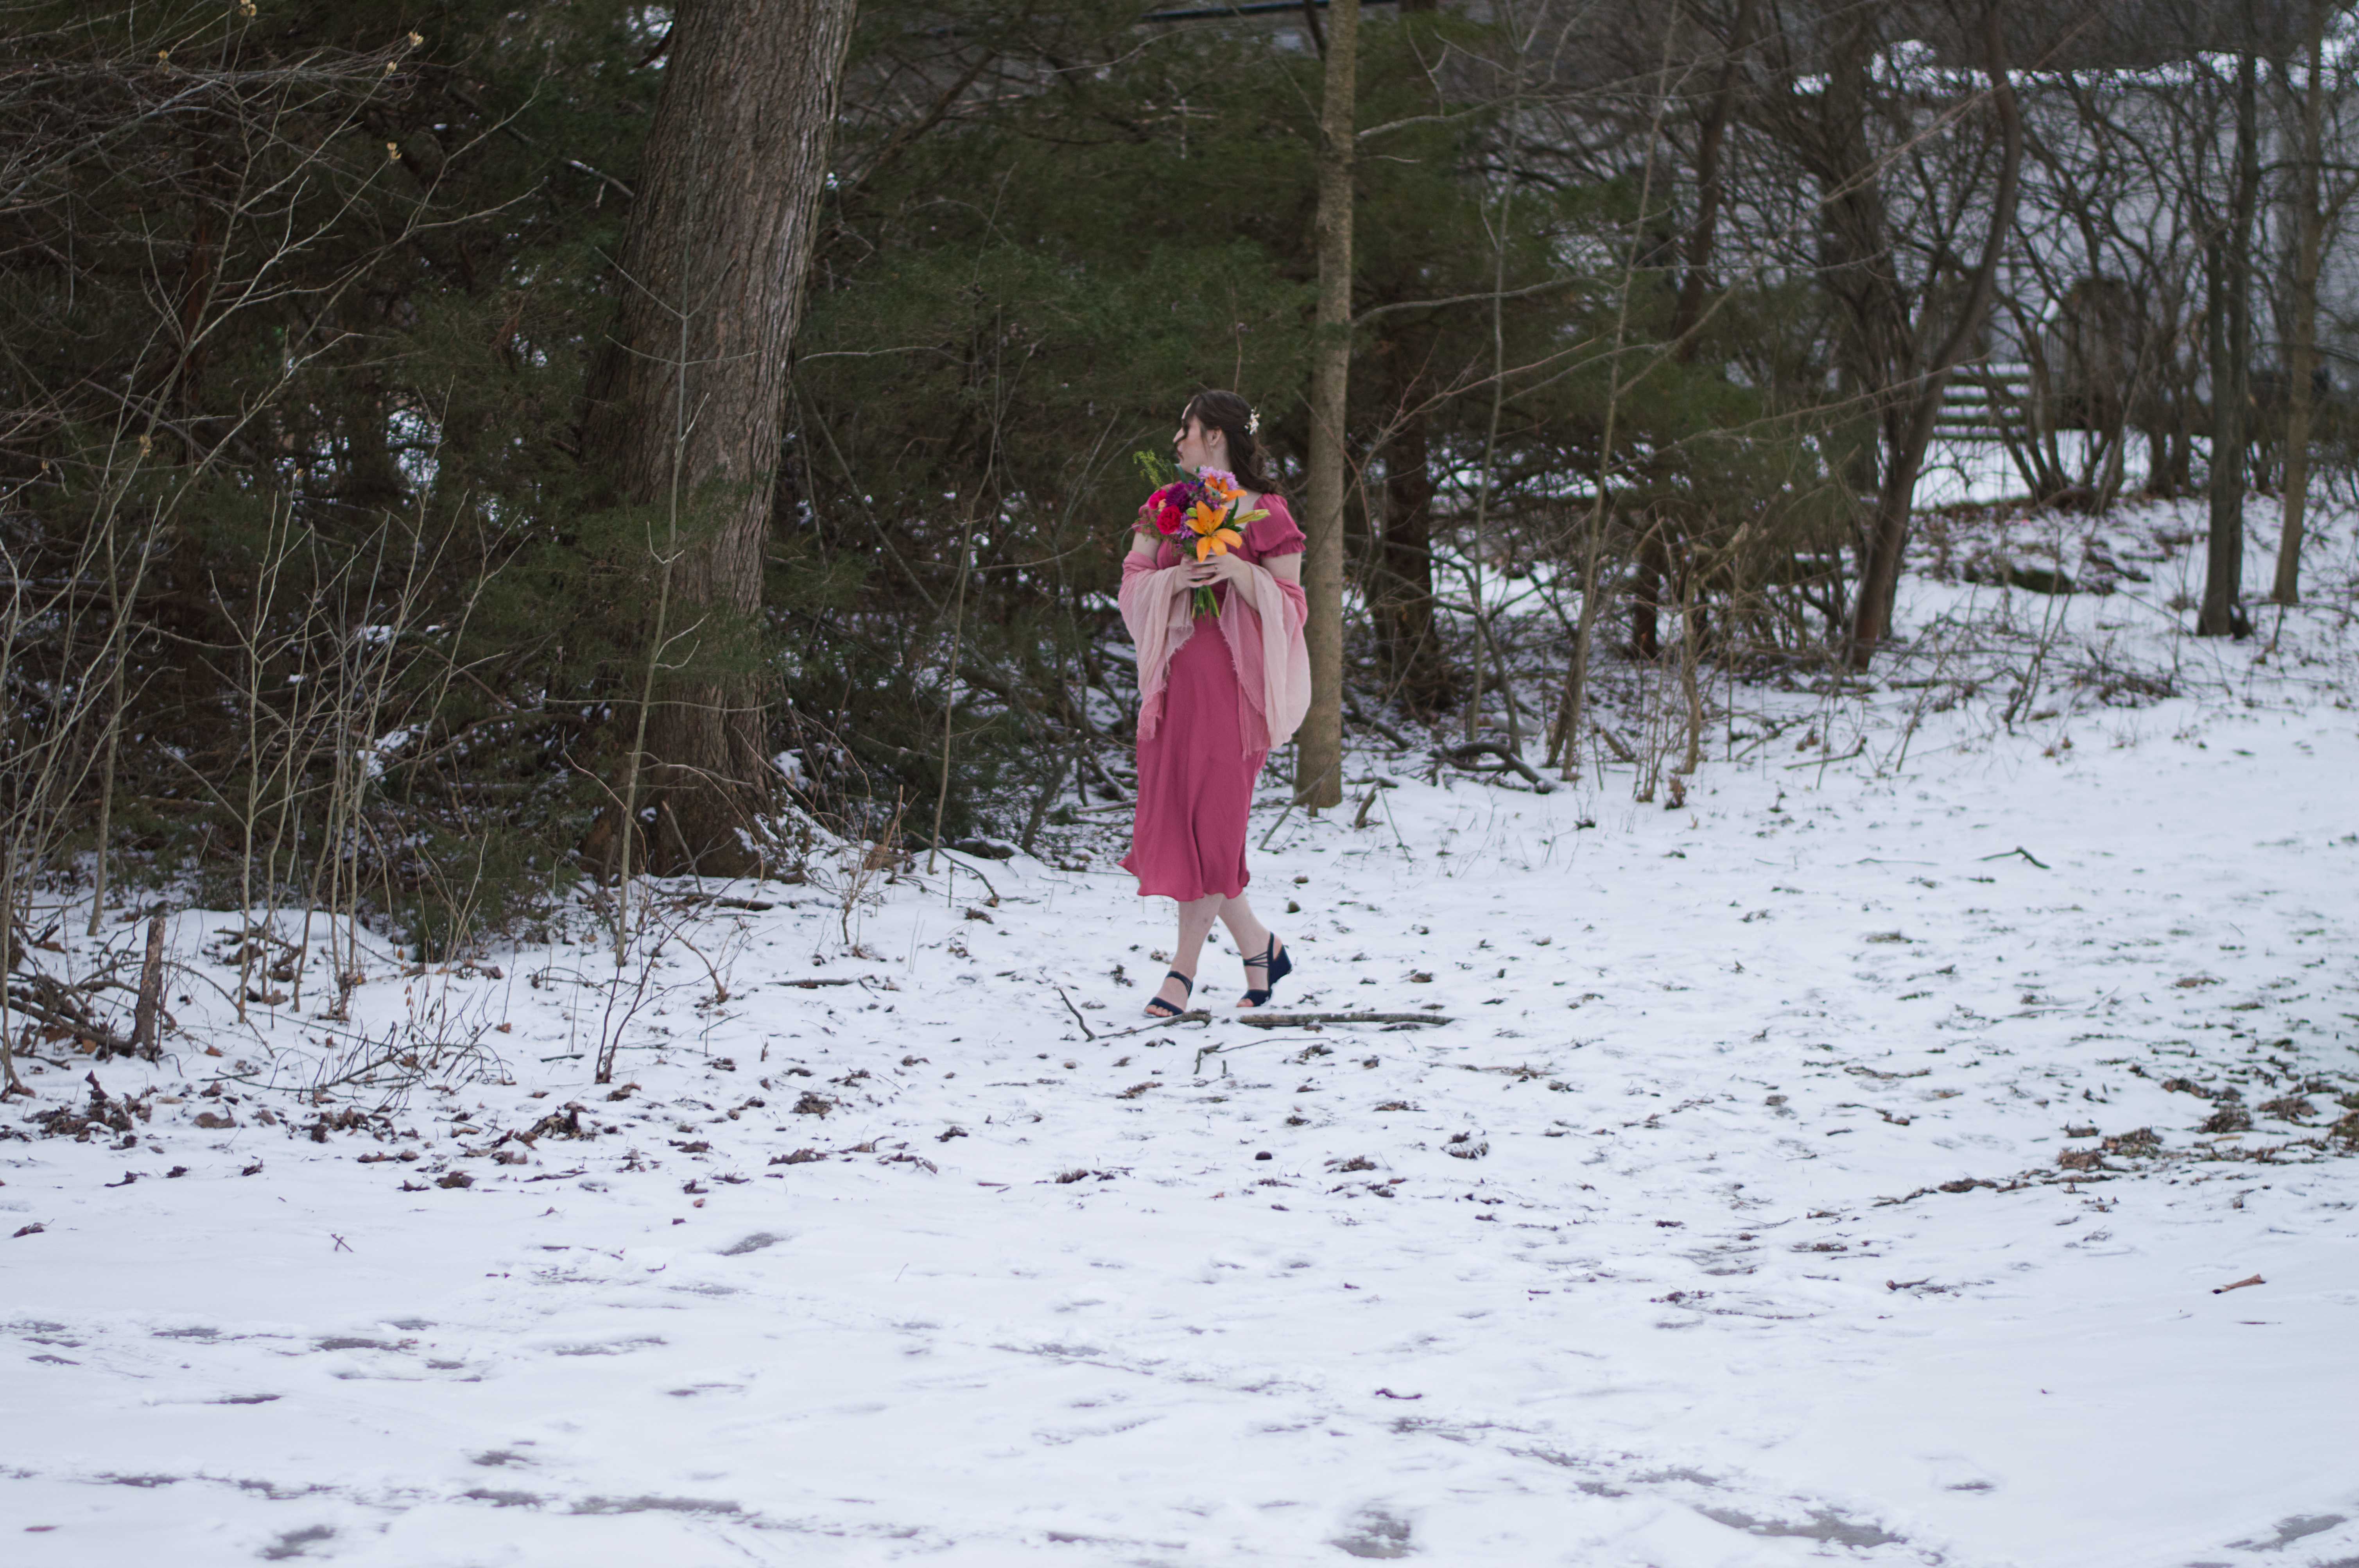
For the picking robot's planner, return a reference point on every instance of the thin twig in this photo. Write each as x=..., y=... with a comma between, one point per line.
x=1074, y=1011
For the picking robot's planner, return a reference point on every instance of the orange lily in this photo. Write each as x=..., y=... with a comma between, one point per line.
x=1219, y=542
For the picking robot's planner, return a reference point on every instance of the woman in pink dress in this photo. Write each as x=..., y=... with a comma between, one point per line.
x=1217, y=694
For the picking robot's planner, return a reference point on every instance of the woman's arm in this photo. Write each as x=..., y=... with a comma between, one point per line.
x=1236, y=569
x=1146, y=548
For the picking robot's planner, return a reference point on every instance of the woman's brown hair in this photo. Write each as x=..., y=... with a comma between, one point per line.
x=1233, y=416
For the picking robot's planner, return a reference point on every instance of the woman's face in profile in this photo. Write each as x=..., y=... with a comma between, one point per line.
x=1194, y=449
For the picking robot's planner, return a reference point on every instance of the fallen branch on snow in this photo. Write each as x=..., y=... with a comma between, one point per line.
x=1193, y=1015
x=1294, y=1020
x=1463, y=757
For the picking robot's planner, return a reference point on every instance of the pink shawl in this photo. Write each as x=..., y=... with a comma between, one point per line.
x=1263, y=628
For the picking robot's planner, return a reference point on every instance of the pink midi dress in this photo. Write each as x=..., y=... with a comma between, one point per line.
x=1198, y=764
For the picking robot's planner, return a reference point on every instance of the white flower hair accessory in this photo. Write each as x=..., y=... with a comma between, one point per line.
x=1252, y=421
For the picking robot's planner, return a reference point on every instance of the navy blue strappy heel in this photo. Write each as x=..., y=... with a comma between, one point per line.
x=1158, y=1008
x=1276, y=963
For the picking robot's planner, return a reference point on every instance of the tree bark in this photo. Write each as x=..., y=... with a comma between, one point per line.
x=1401, y=591
x=2230, y=335
x=1646, y=594
x=150, y=1004
x=721, y=232
x=1697, y=264
x=1319, y=744
x=1909, y=416
x=2302, y=356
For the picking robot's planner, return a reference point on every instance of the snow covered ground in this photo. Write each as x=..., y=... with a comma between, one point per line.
x=1816, y=1171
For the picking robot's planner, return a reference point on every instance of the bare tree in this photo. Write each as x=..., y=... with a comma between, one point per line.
x=721, y=232
x=2301, y=357
x=1710, y=180
x=2228, y=336
x=1900, y=352
x=1318, y=745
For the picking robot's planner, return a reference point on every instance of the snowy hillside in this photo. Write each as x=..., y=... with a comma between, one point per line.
x=1845, y=1165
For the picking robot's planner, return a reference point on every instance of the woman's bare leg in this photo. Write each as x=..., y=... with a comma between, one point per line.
x=1196, y=918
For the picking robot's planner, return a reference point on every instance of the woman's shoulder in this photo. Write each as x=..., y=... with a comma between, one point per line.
x=1275, y=532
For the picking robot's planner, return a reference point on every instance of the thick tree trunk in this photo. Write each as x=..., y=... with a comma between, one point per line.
x=1908, y=421
x=2183, y=440
x=1401, y=591
x=1319, y=744
x=2230, y=335
x=684, y=416
x=1647, y=596
x=1876, y=347
x=2301, y=360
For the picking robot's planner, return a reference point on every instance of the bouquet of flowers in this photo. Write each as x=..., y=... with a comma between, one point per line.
x=1199, y=513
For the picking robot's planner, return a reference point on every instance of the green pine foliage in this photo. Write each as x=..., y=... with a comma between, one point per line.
x=308, y=348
